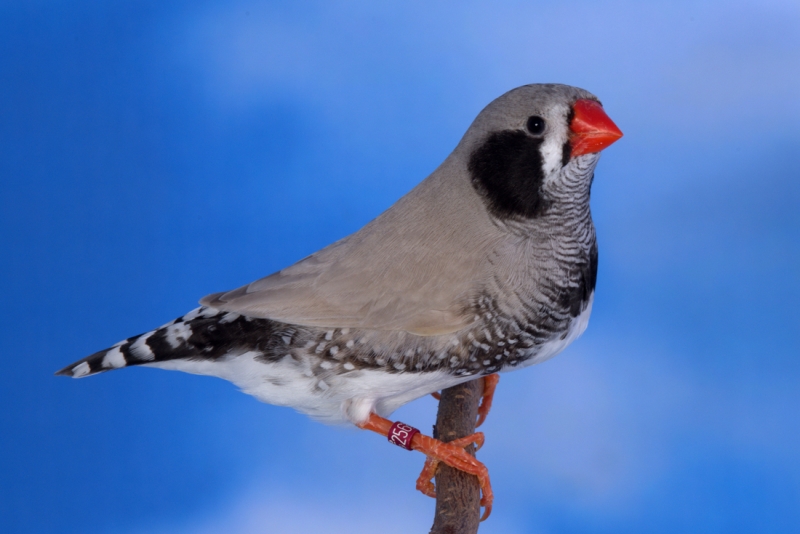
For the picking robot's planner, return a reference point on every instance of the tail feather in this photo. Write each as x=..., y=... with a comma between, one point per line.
x=105, y=360
x=204, y=333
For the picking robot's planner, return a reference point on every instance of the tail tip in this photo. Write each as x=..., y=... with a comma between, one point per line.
x=75, y=370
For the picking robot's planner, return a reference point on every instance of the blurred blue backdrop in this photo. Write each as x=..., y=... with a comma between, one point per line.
x=152, y=153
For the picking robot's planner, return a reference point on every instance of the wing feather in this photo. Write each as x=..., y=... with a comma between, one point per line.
x=414, y=268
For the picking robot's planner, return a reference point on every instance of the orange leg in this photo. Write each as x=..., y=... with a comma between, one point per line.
x=451, y=453
x=489, y=385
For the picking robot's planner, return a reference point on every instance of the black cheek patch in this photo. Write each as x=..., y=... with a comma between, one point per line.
x=507, y=170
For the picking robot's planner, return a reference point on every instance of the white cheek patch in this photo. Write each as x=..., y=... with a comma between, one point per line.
x=553, y=146
x=551, y=152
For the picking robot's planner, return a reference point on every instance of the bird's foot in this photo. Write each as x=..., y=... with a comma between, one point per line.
x=489, y=385
x=425, y=480
x=451, y=453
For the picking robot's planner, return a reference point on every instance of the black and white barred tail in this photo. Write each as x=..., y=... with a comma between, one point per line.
x=202, y=334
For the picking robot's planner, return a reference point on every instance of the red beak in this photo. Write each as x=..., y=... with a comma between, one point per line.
x=592, y=130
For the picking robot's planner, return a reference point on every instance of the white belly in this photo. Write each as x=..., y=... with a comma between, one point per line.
x=346, y=397
x=334, y=399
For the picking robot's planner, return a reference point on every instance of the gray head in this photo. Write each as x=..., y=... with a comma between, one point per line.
x=533, y=144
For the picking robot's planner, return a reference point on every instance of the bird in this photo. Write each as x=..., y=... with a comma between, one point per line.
x=488, y=265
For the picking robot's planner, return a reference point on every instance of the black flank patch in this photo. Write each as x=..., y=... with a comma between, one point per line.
x=576, y=298
x=591, y=270
x=507, y=170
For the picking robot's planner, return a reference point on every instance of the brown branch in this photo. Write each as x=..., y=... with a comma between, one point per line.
x=458, y=495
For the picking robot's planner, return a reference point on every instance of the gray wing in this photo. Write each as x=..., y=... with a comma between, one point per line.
x=414, y=268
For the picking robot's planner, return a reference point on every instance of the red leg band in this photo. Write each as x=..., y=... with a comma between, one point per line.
x=401, y=434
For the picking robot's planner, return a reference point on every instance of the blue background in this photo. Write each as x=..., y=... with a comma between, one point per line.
x=152, y=153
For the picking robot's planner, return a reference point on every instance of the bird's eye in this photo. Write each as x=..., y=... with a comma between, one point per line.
x=535, y=125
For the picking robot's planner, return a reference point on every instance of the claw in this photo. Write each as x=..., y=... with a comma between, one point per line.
x=451, y=453
x=425, y=479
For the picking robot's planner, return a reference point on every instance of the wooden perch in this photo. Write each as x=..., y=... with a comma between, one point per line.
x=458, y=495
